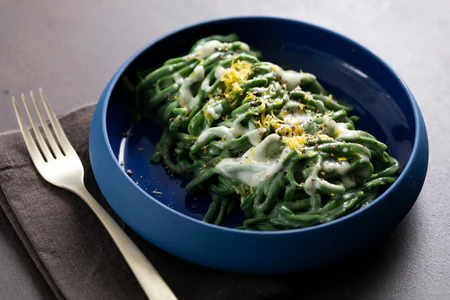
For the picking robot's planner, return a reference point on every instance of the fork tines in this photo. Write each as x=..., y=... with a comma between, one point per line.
x=49, y=148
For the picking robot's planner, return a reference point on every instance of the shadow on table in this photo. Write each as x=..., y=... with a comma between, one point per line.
x=363, y=276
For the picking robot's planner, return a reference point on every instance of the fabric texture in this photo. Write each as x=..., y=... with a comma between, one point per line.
x=73, y=251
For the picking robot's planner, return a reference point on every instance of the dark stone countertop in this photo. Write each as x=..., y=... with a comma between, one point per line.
x=71, y=49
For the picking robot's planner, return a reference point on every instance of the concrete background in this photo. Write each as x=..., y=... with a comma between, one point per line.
x=71, y=49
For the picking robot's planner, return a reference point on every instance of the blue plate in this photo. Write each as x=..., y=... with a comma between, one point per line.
x=171, y=220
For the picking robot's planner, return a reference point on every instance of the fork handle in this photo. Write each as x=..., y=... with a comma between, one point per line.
x=152, y=283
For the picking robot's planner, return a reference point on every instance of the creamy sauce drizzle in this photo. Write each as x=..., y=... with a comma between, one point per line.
x=215, y=110
x=186, y=98
x=257, y=164
x=208, y=48
x=290, y=77
x=341, y=167
x=340, y=130
x=266, y=156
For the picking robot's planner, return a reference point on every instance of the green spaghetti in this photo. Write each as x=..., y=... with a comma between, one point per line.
x=271, y=141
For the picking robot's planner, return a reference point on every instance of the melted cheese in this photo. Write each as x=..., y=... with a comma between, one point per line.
x=186, y=98
x=257, y=164
x=290, y=77
x=205, y=85
x=341, y=168
x=215, y=110
x=294, y=123
x=339, y=130
x=220, y=131
x=347, y=182
x=205, y=50
x=312, y=182
x=178, y=78
x=219, y=72
x=236, y=130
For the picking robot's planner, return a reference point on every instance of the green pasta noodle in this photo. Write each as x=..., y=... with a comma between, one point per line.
x=273, y=142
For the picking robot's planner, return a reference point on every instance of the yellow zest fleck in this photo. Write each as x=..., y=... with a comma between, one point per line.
x=235, y=76
x=280, y=127
x=250, y=97
x=341, y=158
x=248, y=160
x=294, y=142
x=263, y=110
x=258, y=123
x=337, y=131
x=208, y=116
x=323, y=136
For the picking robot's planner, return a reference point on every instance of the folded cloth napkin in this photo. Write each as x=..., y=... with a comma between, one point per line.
x=73, y=251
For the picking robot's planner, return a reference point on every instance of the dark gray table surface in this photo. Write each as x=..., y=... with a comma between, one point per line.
x=71, y=49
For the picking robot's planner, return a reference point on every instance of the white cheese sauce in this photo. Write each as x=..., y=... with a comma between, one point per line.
x=186, y=98
x=205, y=50
x=260, y=162
x=290, y=77
x=215, y=110
x=341, y=167
x=266, y=156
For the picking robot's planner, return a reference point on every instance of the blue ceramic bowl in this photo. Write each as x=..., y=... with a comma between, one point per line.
x=171, y=220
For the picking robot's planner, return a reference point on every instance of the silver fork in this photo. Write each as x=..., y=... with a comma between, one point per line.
x=60, y=165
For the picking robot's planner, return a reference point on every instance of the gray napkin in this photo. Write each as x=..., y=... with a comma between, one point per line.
x=73, y=251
